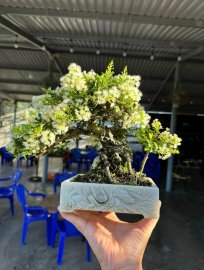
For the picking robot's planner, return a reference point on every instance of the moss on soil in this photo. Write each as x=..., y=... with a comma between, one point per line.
x=120, y=179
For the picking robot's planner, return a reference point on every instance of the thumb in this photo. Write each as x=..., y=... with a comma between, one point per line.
x=147, y=225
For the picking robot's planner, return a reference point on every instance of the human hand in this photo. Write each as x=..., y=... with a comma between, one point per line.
x=118, y=245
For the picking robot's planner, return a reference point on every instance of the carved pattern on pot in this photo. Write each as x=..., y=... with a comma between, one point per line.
x=110, y=198
x=98, y=197
x=101, y=197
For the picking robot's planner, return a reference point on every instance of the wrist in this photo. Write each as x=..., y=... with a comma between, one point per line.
x=127, y=267
x=131, y=267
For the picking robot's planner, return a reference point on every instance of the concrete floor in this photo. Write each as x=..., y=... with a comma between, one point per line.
x=177, y=243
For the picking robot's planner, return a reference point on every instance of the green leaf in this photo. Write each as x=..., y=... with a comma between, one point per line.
x=150, y=135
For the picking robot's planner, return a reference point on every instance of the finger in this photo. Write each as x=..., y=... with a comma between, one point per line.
x=98, y=215
x=78, y=221
x=147, y=225
x=86, y=214
x=112, y=216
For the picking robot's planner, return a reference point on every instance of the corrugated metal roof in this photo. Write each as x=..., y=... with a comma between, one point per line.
x=65, y=44
x=25, y=59
x=165, y=8
x=146, y=68
x=22, y=74
x=86, y=31
x=107, y=28
x=192, y=72
x=21, y=87
x=19, y=97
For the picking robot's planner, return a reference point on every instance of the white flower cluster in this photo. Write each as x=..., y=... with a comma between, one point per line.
x=170, y=145
x=32, y=143
x=83, y=113
x=109, y=95
x=47, y=137
x=129, y=88
x=139, y=116
x=156, y=125
x=75, y=79
x=90, y=100
x=30, y=115
x=90, y=75
x=156, y=141
x=38, y=102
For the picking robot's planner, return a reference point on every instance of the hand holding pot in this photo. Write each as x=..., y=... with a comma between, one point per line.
x=118, y=245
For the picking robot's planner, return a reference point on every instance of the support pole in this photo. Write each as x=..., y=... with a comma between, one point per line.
x=44, y=174
x=1, y=104
x=175, y=106
x=15, y=110
x=46, y=158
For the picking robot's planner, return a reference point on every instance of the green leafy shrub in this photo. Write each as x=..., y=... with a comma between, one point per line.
x=104, y=106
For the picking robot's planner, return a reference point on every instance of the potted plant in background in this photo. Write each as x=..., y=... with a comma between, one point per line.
x=106, y=107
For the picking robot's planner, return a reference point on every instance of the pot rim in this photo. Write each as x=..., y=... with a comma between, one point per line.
x=70, y=180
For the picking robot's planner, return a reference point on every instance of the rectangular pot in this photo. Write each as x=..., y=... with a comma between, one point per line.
x=109, y=198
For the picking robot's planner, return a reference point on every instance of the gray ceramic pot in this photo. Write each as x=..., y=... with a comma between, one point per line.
x=109, y=198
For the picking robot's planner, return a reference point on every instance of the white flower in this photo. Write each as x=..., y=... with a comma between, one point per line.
x=74, y=81
x=46, y=112
x=83, y=113
x=91, y=75
x=74, y=68
x=139, y=117
x=30, y=115
x=61, y=128
x=108, y=95
x=137, y=78
x=47, y=137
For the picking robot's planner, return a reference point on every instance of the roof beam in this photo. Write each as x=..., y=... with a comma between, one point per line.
x=125, y=18
x=15, y=92
x=114, y=53
x=130, y=54
x=116, y=39
x=20, y=82
x=17, y=30
x=27, y=69
x=4, y=96
x=133, y=54
x=104, y=39
x=108, y=52
x=192, y=54
x=21, y=48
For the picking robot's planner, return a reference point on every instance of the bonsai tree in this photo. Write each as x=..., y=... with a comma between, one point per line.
x=104, y=106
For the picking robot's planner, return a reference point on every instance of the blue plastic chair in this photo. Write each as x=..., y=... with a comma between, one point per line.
x=6, y=157
x=88, y=159
x=59, y=178
x=32, y=213
x=75, y=158
x=136, y=160
x=29, y=161
x=67, y=229
x=7, y=192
